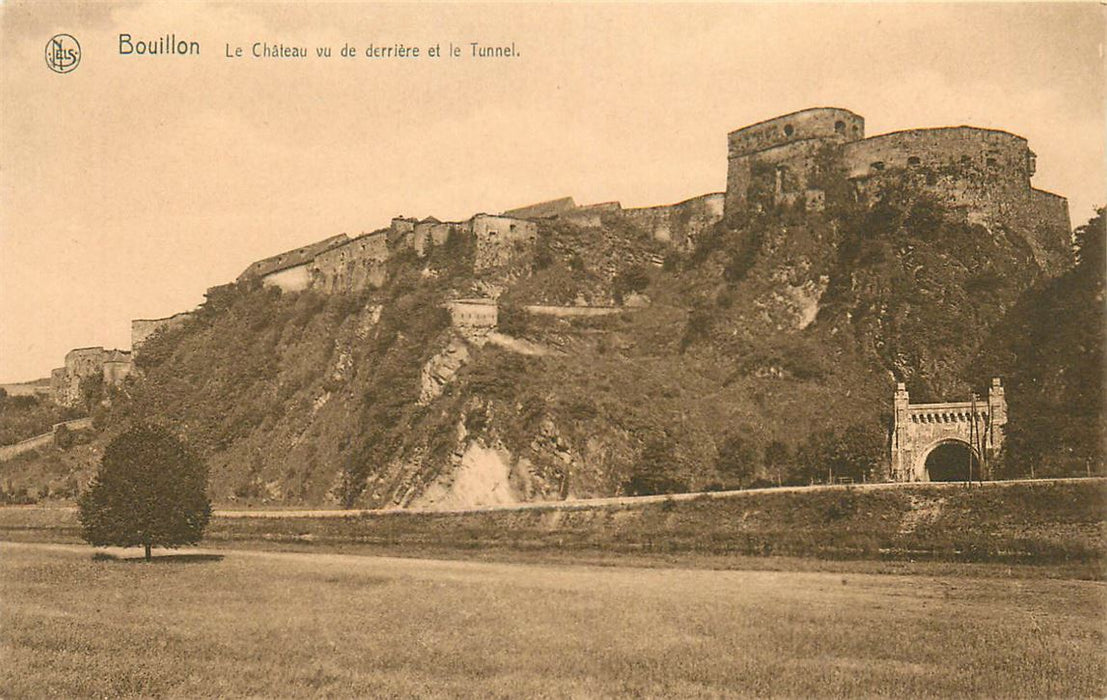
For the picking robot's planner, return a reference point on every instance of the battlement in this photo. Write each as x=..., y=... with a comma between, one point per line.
x=987, y=151
x=832, y=124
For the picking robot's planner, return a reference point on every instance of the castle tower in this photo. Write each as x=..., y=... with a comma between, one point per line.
x=781, y=152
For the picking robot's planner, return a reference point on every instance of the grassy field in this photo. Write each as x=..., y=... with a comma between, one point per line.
x=280, y=624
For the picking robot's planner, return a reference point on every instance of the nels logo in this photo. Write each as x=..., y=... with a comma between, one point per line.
x=63, y=53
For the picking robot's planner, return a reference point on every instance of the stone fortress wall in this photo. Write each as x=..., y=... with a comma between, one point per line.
x=351, y=265
x=342, y=264
x=679, y=224
x=983, y=173
x=789, y=146
x=143, y=328
x=81, y=363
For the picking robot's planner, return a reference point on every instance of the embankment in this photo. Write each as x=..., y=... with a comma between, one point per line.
x=1026, y=522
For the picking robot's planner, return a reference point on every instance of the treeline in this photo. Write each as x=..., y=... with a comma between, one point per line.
x=23, y=417
x=853, y=454
x=1049, y=348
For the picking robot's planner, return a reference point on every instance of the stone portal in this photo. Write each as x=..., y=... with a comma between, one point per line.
x=947, y=441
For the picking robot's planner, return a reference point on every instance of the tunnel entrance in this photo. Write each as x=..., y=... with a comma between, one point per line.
x=951, y=462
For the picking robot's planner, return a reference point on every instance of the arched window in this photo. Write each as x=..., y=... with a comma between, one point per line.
x=789, y=130
x=913, y=161
x=839, y=127
x=992, y=162
x=877, y=165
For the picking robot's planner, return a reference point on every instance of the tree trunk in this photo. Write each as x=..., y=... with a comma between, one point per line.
x=148, y=552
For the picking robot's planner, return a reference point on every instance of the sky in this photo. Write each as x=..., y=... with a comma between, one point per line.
x=131, y=184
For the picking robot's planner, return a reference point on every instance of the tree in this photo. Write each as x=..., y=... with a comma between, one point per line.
x=855, y=452
x=655, y=471
x=1050, y=350
x=737, y=461
x=150, y=490
x=777, y=460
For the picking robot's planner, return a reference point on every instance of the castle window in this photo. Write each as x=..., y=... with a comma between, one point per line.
x=839, y=127
x=992, y=162
x=913, y=161
x=789, y=130
x=513, y=228
x=877, y=165
x=965, y=160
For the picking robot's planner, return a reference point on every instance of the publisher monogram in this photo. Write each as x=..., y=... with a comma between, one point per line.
x=63, y=53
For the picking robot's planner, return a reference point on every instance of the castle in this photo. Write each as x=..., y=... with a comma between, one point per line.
x=983, y=174
x=795, y=161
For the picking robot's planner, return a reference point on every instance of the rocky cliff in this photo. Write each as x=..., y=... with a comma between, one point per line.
x=765, y=353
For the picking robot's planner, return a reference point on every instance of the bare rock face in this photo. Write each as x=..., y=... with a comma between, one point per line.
x=441, y=368
x=483, y=478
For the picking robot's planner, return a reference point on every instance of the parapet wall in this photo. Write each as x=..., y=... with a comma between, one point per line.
x=290, y=258
x=682, y=223
x=1049, y=230
x=352, y=266
x=996, y=154
x=984, y=173
x=143, y=328
x=500, y=238
x=823, y=123
x=473, y=313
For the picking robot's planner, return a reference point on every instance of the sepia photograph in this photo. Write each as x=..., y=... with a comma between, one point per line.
x=557, y=349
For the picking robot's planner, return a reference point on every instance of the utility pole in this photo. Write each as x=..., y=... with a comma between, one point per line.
x=973, y=435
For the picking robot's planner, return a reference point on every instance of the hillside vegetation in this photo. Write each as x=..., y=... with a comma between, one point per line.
x=764, y=354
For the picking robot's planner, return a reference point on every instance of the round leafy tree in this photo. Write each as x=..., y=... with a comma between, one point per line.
x=150, y=490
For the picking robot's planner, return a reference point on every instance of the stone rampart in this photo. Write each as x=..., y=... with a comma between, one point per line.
x=473, y=313
x=543, y=210
x=1049, y=230
x=290, y=258
x=682, y=223
x=983, y=173
x=358, y=264
x=499, y=239
x=821, y=123
x=33, y=443
x=143, y=328
x=432, y=232
x=573, y=311
x=998, y=155
x=591, y=214
x=786, y=147
x=294, y=278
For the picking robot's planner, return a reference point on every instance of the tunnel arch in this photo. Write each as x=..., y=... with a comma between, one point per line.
x=951, y=460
